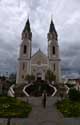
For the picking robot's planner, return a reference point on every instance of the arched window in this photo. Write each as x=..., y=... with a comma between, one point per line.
x=25, y=49
x=53, y=50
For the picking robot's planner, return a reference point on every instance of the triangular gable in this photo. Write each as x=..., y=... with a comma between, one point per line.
x=39, y=58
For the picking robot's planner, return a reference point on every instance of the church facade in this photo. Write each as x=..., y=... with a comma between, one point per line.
x=39, y=63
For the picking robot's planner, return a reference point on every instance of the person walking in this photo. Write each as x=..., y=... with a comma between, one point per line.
x=44, y=95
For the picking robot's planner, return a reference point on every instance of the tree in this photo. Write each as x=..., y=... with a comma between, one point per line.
x=3, y=78
x=50, y=76
x=3, y=81
x=4, y=85
x=30, y=78
x=74, y=95
x=12, y=78
x=62, y=91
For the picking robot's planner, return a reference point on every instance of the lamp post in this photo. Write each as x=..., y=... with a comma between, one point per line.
x=8, y=121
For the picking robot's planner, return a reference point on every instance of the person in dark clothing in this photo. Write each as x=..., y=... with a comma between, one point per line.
x=44, y=95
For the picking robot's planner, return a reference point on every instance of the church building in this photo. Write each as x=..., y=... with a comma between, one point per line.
x=39, y=63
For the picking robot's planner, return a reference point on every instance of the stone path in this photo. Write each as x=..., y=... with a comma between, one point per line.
x=41, y=116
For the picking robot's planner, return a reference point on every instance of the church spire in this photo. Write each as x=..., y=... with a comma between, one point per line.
x=52, y=27
x=27, y=26
x=52, y=30
x=27, y=31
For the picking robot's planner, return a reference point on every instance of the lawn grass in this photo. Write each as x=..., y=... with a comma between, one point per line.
x=69, y=108
x=12, y=107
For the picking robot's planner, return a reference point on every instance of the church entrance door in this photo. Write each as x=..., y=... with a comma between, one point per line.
x=39, y=76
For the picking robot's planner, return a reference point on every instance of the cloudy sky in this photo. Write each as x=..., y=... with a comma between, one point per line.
x=66, y=17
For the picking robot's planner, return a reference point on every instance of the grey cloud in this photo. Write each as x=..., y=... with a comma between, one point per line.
x=71, y=49
x=13, y=15
x=70, y=56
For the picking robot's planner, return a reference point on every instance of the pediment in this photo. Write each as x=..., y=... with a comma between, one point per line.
x=39, y=58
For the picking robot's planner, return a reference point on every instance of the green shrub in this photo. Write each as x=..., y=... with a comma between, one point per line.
x=12, y=107
x=74, y=95
x=37, y=89
x=69, y=108
x=70, y=85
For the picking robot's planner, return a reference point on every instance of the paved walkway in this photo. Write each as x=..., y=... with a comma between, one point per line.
x=41, y=116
